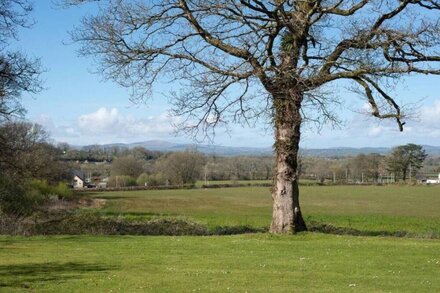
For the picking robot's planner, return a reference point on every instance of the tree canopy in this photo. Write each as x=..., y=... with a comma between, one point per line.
x=405, y=158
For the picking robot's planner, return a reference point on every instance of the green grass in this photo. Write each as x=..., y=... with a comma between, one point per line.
x=245, y=263
x=241, y=182
x=414, y=209
x=306, y=262
x=246, y=182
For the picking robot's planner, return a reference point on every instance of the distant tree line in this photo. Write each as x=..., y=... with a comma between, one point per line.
x=402, y=162
x=144, y=168
x=180, y=168
x=97, y=153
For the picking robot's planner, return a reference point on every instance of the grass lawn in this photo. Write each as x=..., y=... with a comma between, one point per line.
x=242, y=263
x=306, y=262
x=243, y=182
x=248, y=182
x=414, y=209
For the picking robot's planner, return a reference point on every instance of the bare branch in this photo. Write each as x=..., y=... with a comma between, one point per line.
x=281, y=44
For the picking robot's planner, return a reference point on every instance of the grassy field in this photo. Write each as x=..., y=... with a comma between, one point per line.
x=414, y=209
x=306, y=262
x=243, y=263
x=247, y=182
x=241, y=182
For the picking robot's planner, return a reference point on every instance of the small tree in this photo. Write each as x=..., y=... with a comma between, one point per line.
x=404, y=157
x=368, y=166
x=181, y=167
x=128, y=165
x=24, y=150
x=242, y=59
x=26, y=155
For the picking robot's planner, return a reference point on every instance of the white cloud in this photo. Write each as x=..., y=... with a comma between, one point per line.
x=375, y=131
x=110, y=123
x=107, y=125
x=102, y=121
x=58, y=132
x=364, y=130
x=430, y=116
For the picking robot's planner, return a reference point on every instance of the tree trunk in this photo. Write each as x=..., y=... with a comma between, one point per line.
x=286, y=217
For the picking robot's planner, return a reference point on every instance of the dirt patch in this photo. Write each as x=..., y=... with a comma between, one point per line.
x=65, y=205
x=96, y=203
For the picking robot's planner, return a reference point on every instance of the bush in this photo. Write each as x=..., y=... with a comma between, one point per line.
x=121, y=181
x=22, y=199
x=62, y=190
x=142, y=179
x=93, y=224
x=16, y=200
x=45, y=190
x=151, y=180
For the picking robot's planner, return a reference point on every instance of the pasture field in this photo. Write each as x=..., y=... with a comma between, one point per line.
x=308, y=262
x=247, y=182
x=241, y=182
x=305, y=262
x=370, y=209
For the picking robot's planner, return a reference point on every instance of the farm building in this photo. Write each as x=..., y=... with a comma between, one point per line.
x=433, y=181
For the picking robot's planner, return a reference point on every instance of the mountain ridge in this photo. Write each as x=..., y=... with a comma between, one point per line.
x=166, y=146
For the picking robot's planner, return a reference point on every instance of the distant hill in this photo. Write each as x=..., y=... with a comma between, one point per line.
x=344, y=151
x=166, y=146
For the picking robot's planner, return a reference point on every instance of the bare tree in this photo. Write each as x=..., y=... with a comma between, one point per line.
x=26, y=153
x=127, y=165
x=17, y=72
x=241, y=59
x=181, y=168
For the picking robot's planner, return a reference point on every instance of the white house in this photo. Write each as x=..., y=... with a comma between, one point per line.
x=78, y=179
x=433, y=181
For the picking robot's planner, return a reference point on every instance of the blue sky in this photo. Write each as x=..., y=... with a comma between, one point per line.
x=78, y=107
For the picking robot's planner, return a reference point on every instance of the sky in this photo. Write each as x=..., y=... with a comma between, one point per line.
x=79, y=108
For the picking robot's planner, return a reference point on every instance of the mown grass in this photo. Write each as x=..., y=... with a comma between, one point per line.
x=371, y=209
x=242, y=263
x=247, y=182
x=241, y=182
x=305, y=262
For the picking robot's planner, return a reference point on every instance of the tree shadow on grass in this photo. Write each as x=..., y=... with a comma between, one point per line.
x=110, y=197
x=330, y=229
x=26, y=275
x=234, y=230
x=136, y=214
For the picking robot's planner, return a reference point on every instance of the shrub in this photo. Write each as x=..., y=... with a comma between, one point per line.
x=62, y=190
x=15, y=200
x=121, y=181
x=46, y=190
x=93, y=224
x=21, y=199
x=157, y=179
x=142, y=179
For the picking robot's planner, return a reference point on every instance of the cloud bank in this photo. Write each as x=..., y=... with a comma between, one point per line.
x=107, y=125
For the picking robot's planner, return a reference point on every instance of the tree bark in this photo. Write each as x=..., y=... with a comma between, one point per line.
x=286, y=216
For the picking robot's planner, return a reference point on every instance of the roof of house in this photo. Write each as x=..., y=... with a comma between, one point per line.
x=80, y=174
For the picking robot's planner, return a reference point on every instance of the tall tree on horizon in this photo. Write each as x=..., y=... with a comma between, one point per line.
x=238, y=60
x=404, y=158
